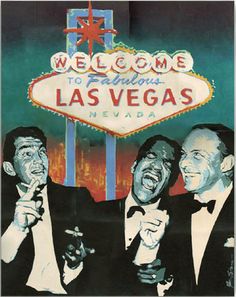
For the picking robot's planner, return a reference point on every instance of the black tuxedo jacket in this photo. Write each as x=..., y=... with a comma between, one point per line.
x=215, y=276
x=116, y=274
x=68, y=206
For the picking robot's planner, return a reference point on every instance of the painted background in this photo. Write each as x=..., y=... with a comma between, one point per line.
x=33, y=31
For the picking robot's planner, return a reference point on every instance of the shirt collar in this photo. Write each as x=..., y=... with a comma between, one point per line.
x=131, y=202
x=220, y=197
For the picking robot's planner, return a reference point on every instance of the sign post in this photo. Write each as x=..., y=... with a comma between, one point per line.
x=70, y=137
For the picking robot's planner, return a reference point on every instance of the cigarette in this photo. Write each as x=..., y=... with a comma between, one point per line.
x=71, y=232
x=26, y=185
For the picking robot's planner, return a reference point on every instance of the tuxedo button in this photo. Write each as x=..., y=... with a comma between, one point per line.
x=130, y=239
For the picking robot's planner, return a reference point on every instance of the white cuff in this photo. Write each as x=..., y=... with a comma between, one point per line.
x=145, y=255
x=70, y=274
x=11, y=241
x=163, y=288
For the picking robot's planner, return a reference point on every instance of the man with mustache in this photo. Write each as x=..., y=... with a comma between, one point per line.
x=38, y=257
x=124, y=225
x=198, y=249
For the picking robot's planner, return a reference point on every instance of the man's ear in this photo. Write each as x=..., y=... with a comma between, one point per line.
x=8, y=168
x=133, y=167
x=227, y=164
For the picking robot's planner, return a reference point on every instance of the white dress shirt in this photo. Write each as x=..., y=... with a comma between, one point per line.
x=202, y=225
x=45, y=275
x=132, y=227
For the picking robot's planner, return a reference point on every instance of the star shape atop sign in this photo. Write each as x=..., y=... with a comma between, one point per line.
x=90, y=31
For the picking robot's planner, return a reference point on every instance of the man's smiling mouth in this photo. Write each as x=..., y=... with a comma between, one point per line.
x=151, y=179
x=38, y=171
x=189, y=175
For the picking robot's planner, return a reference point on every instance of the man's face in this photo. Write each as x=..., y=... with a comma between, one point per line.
x=30, y=160
x=152, y=173
x=200, y=161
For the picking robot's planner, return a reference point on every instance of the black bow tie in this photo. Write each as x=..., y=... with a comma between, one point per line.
x=209, y=205
x=133, y=209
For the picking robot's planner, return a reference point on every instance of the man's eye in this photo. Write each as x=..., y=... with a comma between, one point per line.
x=151, y=156
x=167, y=164
x=197, y=156
x=27, y=154
x=43, y=152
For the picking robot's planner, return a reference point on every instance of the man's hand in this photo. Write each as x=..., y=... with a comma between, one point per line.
x=27, y=210
x=75, y=254
x=151, y=273
x=153, y=227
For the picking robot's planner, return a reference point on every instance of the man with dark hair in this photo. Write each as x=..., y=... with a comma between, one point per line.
x=125, y=224
x=37, y=216
x=198, y=249
x=9, y=146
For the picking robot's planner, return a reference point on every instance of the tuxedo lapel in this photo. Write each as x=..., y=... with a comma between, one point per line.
x=222, y=229
x=189, y=268
x=119, y=227
x=122, y=219
x=178, y=245
x=62, y=218
x=217, y=257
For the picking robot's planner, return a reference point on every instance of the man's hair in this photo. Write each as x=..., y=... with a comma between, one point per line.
x=145, y=147
x=225, y=135
x=9, y=146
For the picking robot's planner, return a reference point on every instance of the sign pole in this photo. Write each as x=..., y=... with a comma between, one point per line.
x=70, y=137
x=110, y=140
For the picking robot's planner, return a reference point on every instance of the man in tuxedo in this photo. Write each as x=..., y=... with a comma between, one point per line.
x=124, y=225
x=40, y=221
x=198, y=249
